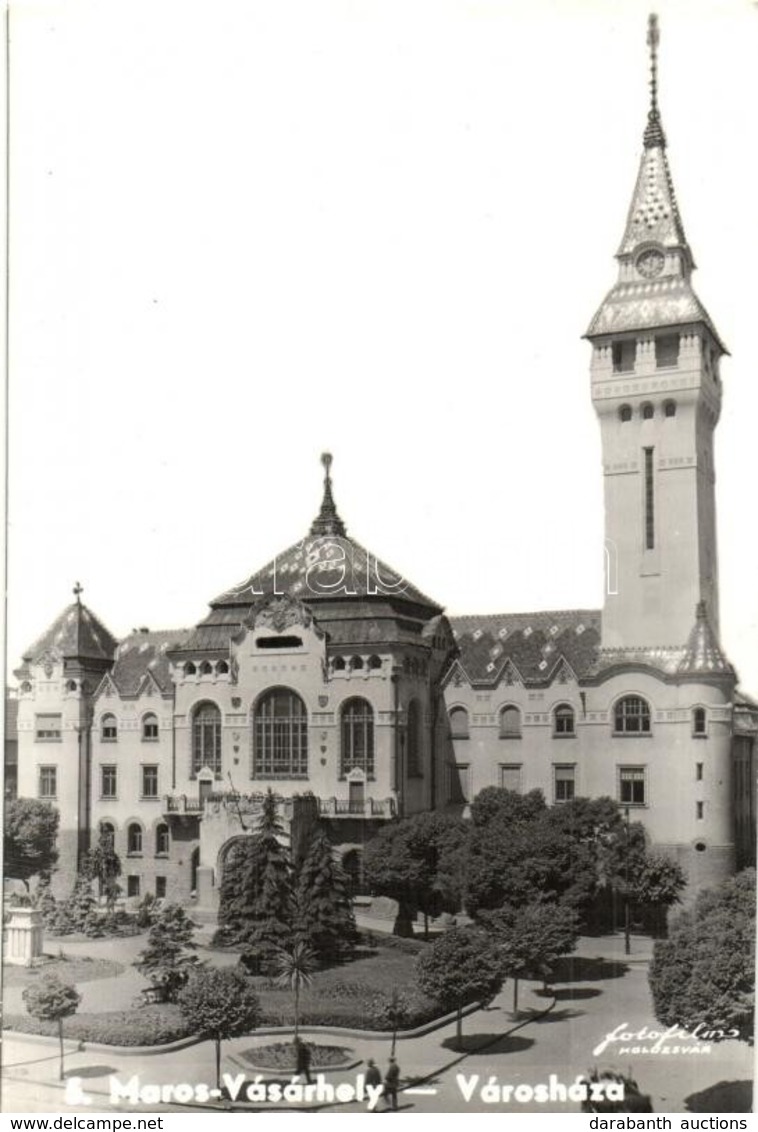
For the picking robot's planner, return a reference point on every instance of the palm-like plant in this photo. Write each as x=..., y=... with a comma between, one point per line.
x=295, y=963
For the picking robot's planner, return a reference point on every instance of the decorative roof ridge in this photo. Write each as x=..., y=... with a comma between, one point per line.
x=526, y=613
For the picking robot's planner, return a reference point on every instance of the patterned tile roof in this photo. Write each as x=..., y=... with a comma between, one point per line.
x=701, y=656
x=532, y=643
x=703, y=652
x=141, y=653
x=648, y=304
x=76, y=634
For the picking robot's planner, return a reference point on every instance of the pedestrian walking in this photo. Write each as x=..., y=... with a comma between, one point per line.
x=373, y=1076
x=302, y=1060
x=391, y=1082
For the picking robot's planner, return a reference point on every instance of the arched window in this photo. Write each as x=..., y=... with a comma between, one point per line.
x=222, y=668
x=669, y=408
x=458, y=723
x=648, y=412
x=162, y=840
x=108, y=729
x=107, y=834
x=280, y=748
x=375, y=662
x=134, y=838
x=356, y=663
x=190, y=669
x=206, y=739
x=625, y=413
x=150, y=727
x=71, y=685
x=632, y=716
x=414, y=740
x=357, y=738
x=339, y=664
x=26, y=686
x=699, y=721
x=564, y=720
x=206, y=668
x=510, y=723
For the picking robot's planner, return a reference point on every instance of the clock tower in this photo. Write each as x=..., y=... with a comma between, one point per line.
x=656, y=389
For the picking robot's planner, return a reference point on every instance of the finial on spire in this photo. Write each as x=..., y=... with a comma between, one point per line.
x=78, y=590
x=328, y=522
x=654, y=135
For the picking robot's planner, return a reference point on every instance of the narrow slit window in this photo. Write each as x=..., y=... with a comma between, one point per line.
x=649, y=501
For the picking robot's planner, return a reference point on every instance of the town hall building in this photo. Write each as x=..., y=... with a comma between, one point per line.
x=353, y=696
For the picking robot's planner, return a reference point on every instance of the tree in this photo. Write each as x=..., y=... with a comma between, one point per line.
x=257, y=899
x=219, y=1003
x=460, y=967
x=704, y=972
x=80, y=909
x=45, y=902
x=532, y=938
x=168, y=959
x=52, y=1000
x=103, y=864
x=324, y=908
x=31, y=830
x=497, y=802
x=418, y=861
x=295, y=964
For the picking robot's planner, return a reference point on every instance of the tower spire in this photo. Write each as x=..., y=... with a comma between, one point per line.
x=654, y=135
x=328, y=522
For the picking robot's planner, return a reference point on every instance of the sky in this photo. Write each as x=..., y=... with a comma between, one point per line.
x=245, y=233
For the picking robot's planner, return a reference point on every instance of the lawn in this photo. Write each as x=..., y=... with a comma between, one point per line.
x=356, y=995
x=68, y=970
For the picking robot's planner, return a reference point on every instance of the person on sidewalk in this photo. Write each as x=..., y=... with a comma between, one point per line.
x=391, y=1082
x=373, y=1075
x=302, y=1060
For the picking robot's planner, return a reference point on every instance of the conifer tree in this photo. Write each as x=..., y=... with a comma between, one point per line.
x=81, y=904
x=269, y=884
x=324, y=910
x=168, y=959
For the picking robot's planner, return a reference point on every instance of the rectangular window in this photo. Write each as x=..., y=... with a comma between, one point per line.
x=150, y=782
x=649, y=500
x=132, y=886
x=699, y=810
x=624, y=356
x=108, y=782
x=666, y=350
x=632, y=786
x=48, y=782
x=698, y=772
x=564, y=781
x=160, y=888
x=510, y=776
x=48, y=728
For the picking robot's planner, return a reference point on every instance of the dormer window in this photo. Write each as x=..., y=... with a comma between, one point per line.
x=666, y=351
x=624, y=356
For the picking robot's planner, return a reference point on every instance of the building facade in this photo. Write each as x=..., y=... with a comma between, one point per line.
x=331, y=680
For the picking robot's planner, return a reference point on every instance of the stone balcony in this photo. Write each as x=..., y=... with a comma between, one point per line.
x=372, y=808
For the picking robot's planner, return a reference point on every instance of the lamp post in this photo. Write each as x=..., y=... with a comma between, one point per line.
x=627, y=940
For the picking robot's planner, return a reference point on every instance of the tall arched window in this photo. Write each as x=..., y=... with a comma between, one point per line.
x=357, y=737
x=632, y=716
x=109, y=728
x=150, y=727
x=414, y=740
x=699, y=721
x=458, y=723
x=280, y=736
x=564, y=719
x=162, y=840
x=134, y=838
x=206, y=739
x=510, y=722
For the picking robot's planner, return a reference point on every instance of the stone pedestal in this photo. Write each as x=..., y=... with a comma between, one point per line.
x=24, y=937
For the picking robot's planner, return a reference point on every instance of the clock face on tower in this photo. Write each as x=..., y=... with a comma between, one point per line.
x=650, y=263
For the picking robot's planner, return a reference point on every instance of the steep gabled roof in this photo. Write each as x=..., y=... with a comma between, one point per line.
x=532, y=643
x=143, y=653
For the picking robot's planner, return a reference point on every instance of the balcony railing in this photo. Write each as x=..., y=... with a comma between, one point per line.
x=181, y=804
x=349, y=808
